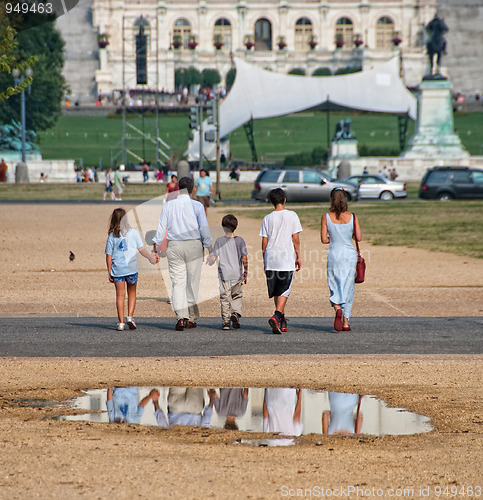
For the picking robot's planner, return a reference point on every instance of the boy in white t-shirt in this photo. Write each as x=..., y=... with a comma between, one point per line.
x=281, y=254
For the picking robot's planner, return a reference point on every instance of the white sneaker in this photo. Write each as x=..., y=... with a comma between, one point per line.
x=120, y=327
x=130, y=323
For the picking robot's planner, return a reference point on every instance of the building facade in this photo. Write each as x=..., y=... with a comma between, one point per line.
x=155, y=38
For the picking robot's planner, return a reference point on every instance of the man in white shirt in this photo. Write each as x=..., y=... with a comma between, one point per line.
x=188, y=234
x=281, y=254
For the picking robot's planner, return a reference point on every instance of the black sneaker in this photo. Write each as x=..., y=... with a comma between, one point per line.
x=225, y=326
x=235, y=320
x=274, y=323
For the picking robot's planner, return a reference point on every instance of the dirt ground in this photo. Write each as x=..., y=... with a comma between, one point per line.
x=44, y=458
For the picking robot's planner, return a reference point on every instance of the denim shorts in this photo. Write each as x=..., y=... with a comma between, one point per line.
x=131, y=279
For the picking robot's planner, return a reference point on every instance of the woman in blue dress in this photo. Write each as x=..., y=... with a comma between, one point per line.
x=338, y=227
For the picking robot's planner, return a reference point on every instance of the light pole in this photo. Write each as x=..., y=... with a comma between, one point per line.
x=19, y=78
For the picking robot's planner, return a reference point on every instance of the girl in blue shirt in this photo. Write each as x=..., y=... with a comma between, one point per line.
x=122, y=267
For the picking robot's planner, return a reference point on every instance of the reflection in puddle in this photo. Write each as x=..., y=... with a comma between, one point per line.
x=286, y=411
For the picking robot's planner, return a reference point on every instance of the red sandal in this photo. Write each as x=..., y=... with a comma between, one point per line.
x=338, y=320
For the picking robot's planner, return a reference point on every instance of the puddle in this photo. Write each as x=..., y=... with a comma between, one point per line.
x=285, y=411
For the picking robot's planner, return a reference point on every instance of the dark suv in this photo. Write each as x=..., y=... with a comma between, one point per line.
x=446, y=183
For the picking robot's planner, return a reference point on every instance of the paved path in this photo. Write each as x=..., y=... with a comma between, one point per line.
x=96, y=337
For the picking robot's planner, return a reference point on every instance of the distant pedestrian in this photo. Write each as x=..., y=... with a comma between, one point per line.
x=233, y=175
x=171, y=189
x=3, y=171
x=43, y=177
x=338, y=228
x=118, y=183
x=232, y=255
x=393, y=174
x=204, y=188
x=108, y=185
x=165, y=169
x=122, y=266
x=281, y=254
x=385, y=172
x=145, y=170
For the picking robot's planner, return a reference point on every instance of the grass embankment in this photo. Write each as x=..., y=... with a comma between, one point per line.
x=95, y=191
x=92, y=138
x=431, y=225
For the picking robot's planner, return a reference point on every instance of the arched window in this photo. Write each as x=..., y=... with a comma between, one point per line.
x=222, y=33
x=181, y=33
x=344, y=32
x=303, y=33
x=384, y=33
x=263, y=35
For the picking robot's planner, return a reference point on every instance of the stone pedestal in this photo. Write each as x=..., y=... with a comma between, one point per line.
x=344, y=149
x=434, y=136
x=21, y=173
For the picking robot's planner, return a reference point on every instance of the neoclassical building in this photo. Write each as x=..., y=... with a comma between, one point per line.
x=149, y=40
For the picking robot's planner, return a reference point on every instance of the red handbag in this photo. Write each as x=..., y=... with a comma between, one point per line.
x=361, y=263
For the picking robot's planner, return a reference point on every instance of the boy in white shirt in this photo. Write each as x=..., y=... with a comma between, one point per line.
x=281, y=254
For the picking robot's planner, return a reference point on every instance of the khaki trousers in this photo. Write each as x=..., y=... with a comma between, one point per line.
x=185, y=400
x=231, y=294
x=185, y=259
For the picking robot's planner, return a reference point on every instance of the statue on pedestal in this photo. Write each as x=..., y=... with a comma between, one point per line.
x=343, y=130
x=11, y=138
x=436, y=46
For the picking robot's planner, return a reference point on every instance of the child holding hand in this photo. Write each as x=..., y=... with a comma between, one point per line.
x=122, y=267
x=232, y=256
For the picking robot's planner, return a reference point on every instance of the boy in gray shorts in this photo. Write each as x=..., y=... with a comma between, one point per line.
x=232, y=256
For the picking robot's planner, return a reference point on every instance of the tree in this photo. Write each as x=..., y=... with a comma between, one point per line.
x=230, y=78
x=195, y=75
x=42, y=42
x=8, y=44
x=210, y=77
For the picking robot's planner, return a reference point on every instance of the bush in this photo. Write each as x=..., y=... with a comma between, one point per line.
x=297, y=71
x=306, y=159
x=322, y=72
x=347, y=70
x=365, y=150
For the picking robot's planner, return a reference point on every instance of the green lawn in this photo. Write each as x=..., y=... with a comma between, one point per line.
x=93, y=138
x=92, y=192
x=431, y=225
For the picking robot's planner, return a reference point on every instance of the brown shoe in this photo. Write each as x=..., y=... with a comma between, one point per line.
x=180, y=325
x=235, y=320
x=190, y=324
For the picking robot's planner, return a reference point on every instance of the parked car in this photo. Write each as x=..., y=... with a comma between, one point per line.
x=446, y=183
x=299, y=185
x=377, y=186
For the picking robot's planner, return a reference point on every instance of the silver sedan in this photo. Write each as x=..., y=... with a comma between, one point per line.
x=377, y=186
x=300, y=185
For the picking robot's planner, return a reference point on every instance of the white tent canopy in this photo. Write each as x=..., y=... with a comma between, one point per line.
x=259, y=93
